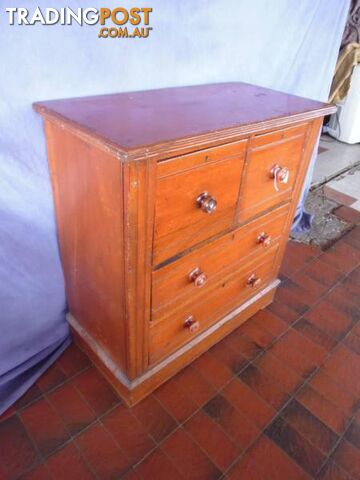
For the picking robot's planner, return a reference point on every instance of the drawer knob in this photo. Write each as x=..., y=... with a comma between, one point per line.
x=198, y=277
x=206, y=202
x=264, y=239
x=279, y=175
x=191, y=324
x=253, y=281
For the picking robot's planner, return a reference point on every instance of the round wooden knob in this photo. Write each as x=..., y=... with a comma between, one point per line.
x=264, y=239
x=206, y=202
x=191, y=324
x=198, y=277
x=253, y=281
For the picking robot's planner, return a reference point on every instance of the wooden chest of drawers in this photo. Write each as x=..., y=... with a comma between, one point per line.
x=173, y=210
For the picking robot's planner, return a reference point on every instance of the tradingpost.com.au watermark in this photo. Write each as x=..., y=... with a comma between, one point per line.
x=115, y=23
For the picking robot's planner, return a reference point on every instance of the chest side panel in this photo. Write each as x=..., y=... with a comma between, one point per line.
x=87, y=186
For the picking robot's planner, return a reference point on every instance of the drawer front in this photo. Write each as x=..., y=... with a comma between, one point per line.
x=188, y=188
x=195, y=273
x=271, y=170
x=190, y=319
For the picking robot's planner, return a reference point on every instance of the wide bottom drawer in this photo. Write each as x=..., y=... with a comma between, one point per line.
x=189, y=319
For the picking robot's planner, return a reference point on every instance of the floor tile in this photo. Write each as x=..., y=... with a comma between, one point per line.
x=291, y=299
x=128, y=432
x=303, y=280
x=279, y=371
x=132, y=475
x=311, y=331
x=222, y=401
x=52, y=378
x=335, y=393
x=296, y=256
x=344, y=300
x=243, y=346
x=157, y=466
x=353, y=238
x=34, y=393
x=213, y=440
x=45, y=426
x=330, y=320
x=310, y=427
x=98, y=393
x=352, y=434
x=298, y=352
x=296, y=446
x=227, y=353
x=72, y=408
x=348, y=214
x=73, y=361
x=257, y=334
x=238, y=428
x=356, y=329
x=353, y=289
x=264, y=386
x=348, y=457
x=341, y=366
x=331, y=471
x=17, y=453
x=189, y=459
x=322, y=408
x=152, y=415
x=102, y=453
x=354, y=277
x=342, y=256
x=213, y=370
x=323, y=273
x=304, y=295
x=41, y=472
x=266, y=461
x=175, y=400
x=67, y=463
x=242, y=397
x=272, y=323
x=286, y=313
x=352, y=341
x=191, y=382
x=8, y=413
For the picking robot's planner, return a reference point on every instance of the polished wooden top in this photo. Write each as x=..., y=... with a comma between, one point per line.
x=150, y=121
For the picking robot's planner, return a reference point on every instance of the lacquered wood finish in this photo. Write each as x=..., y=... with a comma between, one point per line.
x=171, y=331
x=180, y=222
x=216, y=259
x=154, y=273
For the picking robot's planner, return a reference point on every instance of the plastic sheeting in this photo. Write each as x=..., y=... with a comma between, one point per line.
x=286, y=45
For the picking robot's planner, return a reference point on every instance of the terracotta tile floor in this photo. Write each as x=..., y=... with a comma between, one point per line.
x=277, y=399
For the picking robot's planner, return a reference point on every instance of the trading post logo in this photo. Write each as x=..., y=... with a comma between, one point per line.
x=115, y=23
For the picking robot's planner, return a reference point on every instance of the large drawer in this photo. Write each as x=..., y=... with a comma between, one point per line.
x=169, y=334
x=188, y=188
x=271, y=170
x=195, y=273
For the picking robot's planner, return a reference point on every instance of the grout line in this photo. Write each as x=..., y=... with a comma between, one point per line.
x=306, y=380
x=218, y=391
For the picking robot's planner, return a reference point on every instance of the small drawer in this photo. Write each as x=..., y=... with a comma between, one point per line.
x=195, y=273
x=196, y=197
x=190, y=319
x=271, y=170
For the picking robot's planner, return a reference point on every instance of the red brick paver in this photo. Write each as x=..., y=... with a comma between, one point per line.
x=277, y=399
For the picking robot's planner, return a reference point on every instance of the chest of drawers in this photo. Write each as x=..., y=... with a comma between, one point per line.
x=173, y=210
